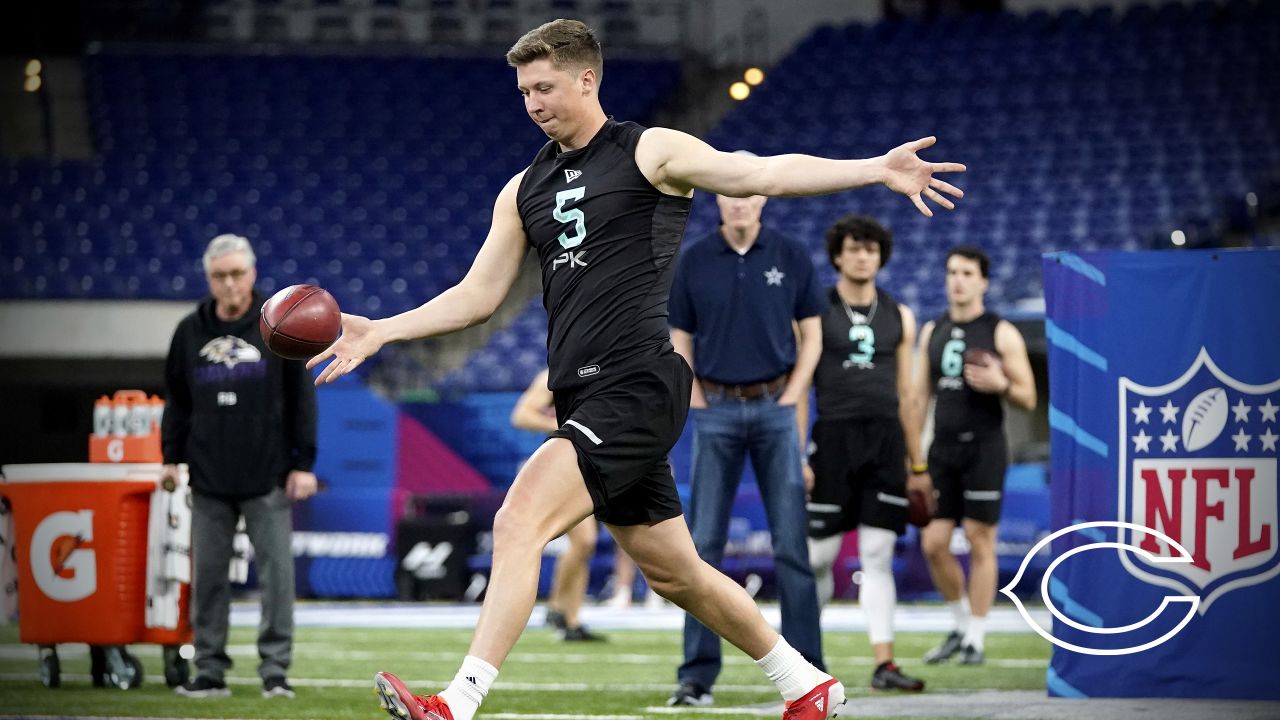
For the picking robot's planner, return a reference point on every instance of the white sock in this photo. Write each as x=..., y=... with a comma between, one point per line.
x=976, y=633
x=469, y=687
x=790, y=672
x=877, y=594
x=960, y=612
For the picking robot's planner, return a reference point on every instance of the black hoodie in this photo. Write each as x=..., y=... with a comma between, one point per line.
x=239, y=415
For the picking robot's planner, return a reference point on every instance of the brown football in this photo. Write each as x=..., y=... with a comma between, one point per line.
x=300, y=321
x=920, y=507
x=979, y=356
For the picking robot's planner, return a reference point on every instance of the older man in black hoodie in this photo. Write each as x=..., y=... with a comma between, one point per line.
x=244, y=420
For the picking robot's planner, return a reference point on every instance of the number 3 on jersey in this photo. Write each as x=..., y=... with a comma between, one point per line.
x=865, y=339
x=574, y=215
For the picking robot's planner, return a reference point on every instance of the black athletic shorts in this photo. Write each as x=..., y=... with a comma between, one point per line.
x=969, y=477
x=860, y=476
x=622, y=428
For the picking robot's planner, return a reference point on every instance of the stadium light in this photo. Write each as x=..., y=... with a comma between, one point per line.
x=753, y=76
x=1177, y=237
x=34, y=67
x=739, y=90
x=32, y=83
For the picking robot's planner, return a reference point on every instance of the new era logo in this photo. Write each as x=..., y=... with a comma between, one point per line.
x=571, y=175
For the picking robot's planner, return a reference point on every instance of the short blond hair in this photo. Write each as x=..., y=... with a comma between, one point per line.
x=568, y=44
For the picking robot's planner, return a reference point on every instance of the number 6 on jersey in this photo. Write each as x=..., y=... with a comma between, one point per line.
x=574, y=215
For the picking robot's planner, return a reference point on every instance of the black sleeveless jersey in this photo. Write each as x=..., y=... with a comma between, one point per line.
x=857, y=374
x=607, y=240
x=962, y=411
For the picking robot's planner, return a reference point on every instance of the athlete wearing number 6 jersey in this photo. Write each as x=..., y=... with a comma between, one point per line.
x=621, y=392
x=970, y=360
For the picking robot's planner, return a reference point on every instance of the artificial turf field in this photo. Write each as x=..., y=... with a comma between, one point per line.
x=626, y=678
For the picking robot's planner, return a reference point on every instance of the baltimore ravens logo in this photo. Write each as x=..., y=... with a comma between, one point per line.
x=230, y=351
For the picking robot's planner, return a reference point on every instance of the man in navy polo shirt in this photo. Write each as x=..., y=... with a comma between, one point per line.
x=736, y=298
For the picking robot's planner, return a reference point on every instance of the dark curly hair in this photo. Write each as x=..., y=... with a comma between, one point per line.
x=861, y=228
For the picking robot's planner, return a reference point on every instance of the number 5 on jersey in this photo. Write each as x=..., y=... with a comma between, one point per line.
x=572, y=215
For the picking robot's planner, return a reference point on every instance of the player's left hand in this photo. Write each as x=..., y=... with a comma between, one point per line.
x=359, y=339
x=300, y=485
x=906, y=173
x=989, y=378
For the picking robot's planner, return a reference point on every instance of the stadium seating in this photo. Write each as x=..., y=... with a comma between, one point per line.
x=1081, y=130
x=371, y=176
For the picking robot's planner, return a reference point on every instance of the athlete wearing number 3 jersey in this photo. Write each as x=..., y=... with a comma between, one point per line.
x=604, y=204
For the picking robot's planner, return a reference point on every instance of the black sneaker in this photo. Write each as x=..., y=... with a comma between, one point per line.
x=971, y=655
x=888, y=677
x=203, y=687
x=946, y=650
x=277, y=687
x=555, y=619
x=580, y=634
x=691, y=694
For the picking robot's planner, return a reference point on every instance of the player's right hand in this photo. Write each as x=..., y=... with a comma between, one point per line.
x=359, y=339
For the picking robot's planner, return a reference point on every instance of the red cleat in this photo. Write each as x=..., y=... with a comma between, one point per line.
x=820, y=703
x=404, y=705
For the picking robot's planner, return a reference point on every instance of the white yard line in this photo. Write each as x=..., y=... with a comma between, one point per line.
x=244, y=650
x=842, y=617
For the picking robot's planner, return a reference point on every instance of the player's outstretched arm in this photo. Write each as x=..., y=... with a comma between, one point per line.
x=677, y=162
x=470, y=302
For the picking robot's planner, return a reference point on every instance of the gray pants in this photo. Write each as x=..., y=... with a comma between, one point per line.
x=269, y=523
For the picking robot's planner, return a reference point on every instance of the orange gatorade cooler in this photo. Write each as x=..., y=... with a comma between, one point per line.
x=80, y=536
x=80, y=531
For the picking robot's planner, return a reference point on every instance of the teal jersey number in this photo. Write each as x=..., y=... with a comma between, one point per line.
x=865, y=338
x=953, y=358
x=575, y=216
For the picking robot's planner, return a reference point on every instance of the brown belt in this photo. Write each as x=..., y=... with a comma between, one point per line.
x=749, y=391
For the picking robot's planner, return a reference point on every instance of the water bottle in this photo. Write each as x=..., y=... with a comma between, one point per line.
x=139, y=417
x=119, y=416
x=102, y=416
x=157, y=412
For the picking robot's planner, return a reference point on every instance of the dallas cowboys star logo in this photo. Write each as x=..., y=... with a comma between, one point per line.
x=773, y=276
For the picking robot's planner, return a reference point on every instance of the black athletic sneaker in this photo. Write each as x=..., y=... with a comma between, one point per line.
x=555, y=619
x=971, y=655
x=580, y=634
x=691, y=694
x=946, y=650
x=888, y=677
x=203, y=687
x=277, y=687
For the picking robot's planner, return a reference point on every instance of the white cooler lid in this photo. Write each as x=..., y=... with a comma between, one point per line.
x=81, y=472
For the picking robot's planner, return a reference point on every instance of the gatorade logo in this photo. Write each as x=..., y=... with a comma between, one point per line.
x=115, y=450
x=63, y=566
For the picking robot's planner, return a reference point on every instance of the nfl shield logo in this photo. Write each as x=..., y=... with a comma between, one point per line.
x=1198, y=462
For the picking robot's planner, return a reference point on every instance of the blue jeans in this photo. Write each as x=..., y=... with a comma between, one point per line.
x=724, y=434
